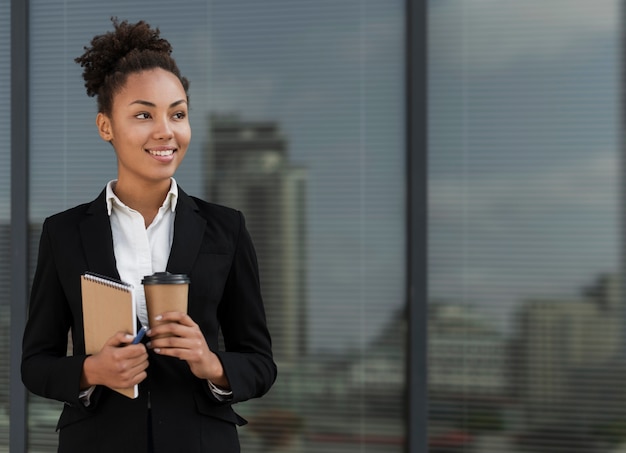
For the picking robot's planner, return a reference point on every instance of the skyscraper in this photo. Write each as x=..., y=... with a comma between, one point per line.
x=249, y=169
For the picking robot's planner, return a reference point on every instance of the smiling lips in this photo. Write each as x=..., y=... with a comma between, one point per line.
x=162, y=154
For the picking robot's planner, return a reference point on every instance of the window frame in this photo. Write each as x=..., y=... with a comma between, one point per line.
x=417, y=181
x=19, y=218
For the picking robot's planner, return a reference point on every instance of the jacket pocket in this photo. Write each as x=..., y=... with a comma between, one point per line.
x=225, y=413
x=71, y=415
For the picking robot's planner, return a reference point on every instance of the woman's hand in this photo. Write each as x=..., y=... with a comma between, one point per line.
x=184, y=339
x=119, y=364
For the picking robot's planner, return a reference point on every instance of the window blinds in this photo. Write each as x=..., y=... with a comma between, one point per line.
x=526, y=315
x=5, y=217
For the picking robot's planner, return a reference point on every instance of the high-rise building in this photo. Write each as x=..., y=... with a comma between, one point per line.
x=249, y=169
x=559, y=343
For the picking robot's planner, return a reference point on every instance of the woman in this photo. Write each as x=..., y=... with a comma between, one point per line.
x=141, y=223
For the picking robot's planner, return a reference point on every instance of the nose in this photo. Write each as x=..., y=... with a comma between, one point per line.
x=163, y=129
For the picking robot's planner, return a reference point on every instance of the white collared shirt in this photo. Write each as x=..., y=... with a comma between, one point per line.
x=141, y=251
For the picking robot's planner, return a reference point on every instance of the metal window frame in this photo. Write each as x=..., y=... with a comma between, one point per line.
x=417, y=186
x=19, y=218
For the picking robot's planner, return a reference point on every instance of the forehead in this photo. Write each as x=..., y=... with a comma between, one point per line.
x=157, y=86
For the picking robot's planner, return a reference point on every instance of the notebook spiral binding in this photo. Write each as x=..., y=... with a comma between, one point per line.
x=107, y=281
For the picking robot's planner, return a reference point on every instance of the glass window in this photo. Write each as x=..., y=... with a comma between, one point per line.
x=525, y=226
x=298, y=113
x=5, y=218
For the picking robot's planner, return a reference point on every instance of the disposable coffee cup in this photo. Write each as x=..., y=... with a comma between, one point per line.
x=165, y=292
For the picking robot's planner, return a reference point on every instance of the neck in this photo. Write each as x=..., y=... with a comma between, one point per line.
x=144, y=198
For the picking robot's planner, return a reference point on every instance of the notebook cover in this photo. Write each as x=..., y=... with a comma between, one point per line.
x=108, y=307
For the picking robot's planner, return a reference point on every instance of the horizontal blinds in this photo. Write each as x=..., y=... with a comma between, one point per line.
x=526, y=315
x=297, y=112
x=5, y=218
x=308, y=144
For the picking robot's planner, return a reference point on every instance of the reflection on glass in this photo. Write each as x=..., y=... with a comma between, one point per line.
x=250, y=167
x=5, y=221
x=297, y=118
x=526, y=317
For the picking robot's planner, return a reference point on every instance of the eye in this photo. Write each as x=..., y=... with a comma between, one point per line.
x=143, y=116
x=180, y=115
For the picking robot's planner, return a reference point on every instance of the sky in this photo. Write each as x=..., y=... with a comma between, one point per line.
x=524, y=150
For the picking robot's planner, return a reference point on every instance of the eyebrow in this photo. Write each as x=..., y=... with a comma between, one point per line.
x=152, y=104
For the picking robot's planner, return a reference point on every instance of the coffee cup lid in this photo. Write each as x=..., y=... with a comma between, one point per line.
x=160, y=278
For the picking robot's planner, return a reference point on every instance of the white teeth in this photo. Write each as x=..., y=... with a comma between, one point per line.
x=168, y=152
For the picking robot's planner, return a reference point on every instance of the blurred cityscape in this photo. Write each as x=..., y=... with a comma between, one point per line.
x=525, y=174
x=554, y=384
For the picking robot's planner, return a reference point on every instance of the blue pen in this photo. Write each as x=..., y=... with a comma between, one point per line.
x=140, y=335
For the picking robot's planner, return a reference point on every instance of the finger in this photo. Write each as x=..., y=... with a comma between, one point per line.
x=136, y=352
x=179, y=353
x=129, y=368
x=198, y=360
x=140, y=377
x=172, y=329
x=139, y=365
x=172, y=342
x=133, y=380
x=133, y=376
x=183, y=348
x=176, y=316
x=120, y=338
x=126, y=350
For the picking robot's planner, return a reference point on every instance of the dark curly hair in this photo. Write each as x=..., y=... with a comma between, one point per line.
x=113, y=56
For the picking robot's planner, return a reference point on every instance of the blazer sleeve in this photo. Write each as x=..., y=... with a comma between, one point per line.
x=46, y=369
x=247, y=359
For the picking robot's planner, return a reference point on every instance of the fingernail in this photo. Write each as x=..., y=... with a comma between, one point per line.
x=129, y=337
x=158, y=317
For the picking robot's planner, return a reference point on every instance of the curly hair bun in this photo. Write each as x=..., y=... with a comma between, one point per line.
x=127, y=49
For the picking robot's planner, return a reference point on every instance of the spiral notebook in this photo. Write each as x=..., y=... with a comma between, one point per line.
x=108, y=307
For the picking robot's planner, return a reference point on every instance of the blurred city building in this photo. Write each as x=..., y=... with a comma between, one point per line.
x=468, y=384
x=568, y=367
x=466, y=355
x=558, y=375
x=249, y=169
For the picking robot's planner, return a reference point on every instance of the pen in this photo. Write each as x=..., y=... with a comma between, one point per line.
x=140, y=335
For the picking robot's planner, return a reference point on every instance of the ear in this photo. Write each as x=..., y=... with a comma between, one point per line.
x=103, y=122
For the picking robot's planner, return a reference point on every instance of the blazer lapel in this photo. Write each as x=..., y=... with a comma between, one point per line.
x=189, y=229
x=97, y=239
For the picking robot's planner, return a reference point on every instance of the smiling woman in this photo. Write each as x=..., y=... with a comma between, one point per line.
x=143, y=223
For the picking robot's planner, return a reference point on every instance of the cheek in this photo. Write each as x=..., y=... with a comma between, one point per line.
x=131, y=136
x=184, y=136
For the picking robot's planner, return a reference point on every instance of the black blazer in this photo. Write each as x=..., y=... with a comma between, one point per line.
x=212, y=246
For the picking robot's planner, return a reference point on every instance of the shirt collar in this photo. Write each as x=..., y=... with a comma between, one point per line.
x=170, y=199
